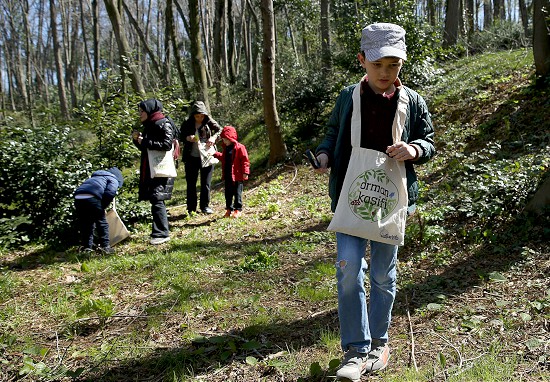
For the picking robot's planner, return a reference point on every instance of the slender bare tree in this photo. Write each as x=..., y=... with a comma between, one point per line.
x=326, y=55
x=541, y=36
x=171, y=27
x=524, y=16
x=277, y=148
x=62, y=93
x=219, y=46
x=197, y=59
x=123, y=47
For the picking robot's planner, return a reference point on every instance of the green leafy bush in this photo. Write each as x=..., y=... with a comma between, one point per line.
x=500, y=36
x=39, y=169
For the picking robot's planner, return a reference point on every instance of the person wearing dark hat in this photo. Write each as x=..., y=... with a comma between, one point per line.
x=390, y=118
x=158, y=134
x=199, y=130
x=91, y=199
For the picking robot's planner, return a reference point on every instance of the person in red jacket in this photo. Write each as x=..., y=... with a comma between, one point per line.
x=235, y=170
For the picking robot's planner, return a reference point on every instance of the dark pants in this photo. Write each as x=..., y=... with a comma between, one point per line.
x=91, y=215
x=160, y=219
x=233, y=195
x=192, y=170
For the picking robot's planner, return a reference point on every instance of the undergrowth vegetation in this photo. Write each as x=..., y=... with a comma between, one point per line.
x=254, y=298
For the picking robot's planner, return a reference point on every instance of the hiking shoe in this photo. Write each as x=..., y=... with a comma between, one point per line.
x=353, y=365
x=85, y=250
x=378, y=357
x=236, y=214
x=207, y=210
x=227, y=213
x=106, y=250
x=159, y=240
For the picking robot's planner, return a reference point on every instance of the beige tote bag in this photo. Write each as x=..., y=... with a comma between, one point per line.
x=161, y=163
x=373, y=200
x=117, y=229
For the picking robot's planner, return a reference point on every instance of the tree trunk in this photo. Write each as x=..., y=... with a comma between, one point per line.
x=197, y=58
x=63, y=104
x=487, y=14
x=97, y=51
x=254, y=46
x=170, y=26
x=450, y=36
x=305, y=42
x=431, y=12
x=524, y=17
x=231, y=42
x=219, y=32
x=124, y=47
x=291, y=34
x=95, y=78
x=2, y=93
x=28, y=63
x=206, y=38
x=247, y=42
x=469, y=14
x=13, y=59
x=541, y=37
x=326, y=56
x=277, y=147
x=167, y=59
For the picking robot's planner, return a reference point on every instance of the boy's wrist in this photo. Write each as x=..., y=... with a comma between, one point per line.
x=417, y=151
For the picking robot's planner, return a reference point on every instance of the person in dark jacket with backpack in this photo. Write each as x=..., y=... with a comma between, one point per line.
x=91, y=199
x=198, y=129
x=158, y=134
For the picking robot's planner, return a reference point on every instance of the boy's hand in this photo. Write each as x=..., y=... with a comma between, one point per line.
x=245, y=176
x=402, y=151
x=322, y=158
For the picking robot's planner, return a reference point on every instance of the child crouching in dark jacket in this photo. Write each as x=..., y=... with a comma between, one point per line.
x=235, y=170
x=91, y=199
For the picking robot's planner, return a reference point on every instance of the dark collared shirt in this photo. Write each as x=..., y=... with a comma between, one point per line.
x=377, y=115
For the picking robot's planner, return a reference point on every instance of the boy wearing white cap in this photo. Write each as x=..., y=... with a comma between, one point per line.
x=386, y=107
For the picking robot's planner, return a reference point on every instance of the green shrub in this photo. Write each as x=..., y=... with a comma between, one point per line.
x=39, y=169
x=501, y=36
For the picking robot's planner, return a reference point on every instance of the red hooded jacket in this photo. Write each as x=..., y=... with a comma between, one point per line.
x=240, y=163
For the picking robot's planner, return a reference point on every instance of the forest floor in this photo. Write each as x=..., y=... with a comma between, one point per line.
x=254, y=298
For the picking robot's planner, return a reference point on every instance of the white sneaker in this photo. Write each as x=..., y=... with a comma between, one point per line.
x=353, y=365
x=378, y=358
x=159, y=240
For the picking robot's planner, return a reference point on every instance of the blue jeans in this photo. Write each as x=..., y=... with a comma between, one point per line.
x=357, y=326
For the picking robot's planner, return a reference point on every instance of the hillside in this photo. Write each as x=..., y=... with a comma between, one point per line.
x=254, y=299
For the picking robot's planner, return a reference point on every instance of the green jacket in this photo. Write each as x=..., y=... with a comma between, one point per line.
x=417, y=129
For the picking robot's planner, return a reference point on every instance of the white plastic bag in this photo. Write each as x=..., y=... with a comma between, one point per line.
x=207, y=155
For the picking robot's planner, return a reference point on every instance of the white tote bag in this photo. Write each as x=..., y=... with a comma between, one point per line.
x=373, y=200
x=117, y=229
x=161, y=163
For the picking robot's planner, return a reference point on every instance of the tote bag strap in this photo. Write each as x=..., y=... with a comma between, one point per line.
x=398, y=121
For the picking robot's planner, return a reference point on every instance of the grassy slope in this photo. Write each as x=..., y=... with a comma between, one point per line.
x=254, y=299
